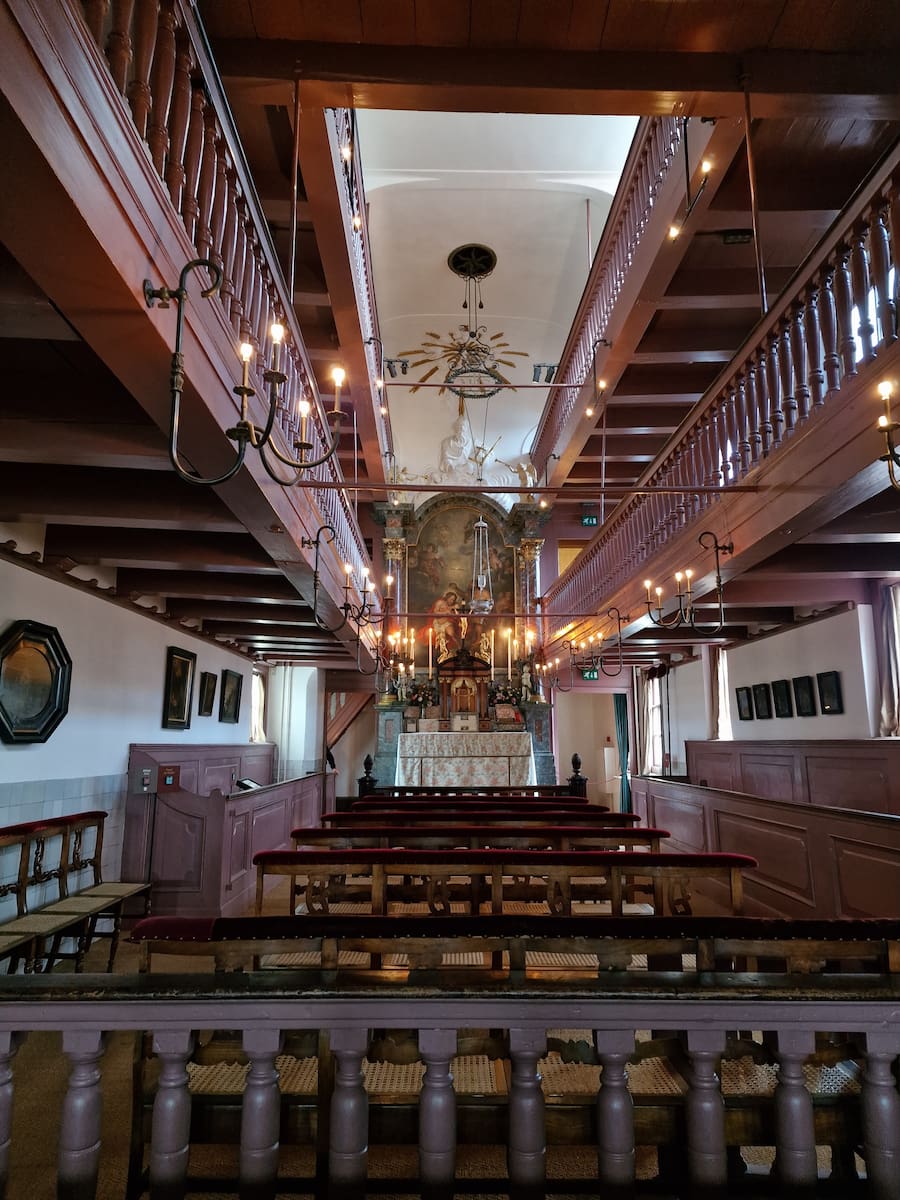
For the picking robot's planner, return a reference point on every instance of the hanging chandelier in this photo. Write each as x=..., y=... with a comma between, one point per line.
x=482, y=598
x=686, y=614
x=245, y=433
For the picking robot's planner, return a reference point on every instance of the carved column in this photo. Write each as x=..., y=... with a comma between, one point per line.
x=529, y=550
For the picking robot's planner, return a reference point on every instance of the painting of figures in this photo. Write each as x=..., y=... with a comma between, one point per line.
x=440, y=581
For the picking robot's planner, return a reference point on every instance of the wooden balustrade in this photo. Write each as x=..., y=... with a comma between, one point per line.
x=262, y=1008
x=160, y=65
x=835, y=318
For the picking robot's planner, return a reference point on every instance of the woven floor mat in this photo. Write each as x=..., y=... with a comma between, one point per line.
x=744, y=1077
x=312, y=958
x=539, y=958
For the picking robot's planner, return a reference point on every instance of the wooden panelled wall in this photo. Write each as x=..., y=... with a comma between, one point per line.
x=862, y=774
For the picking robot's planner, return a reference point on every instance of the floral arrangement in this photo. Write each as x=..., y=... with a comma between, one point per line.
x=421, y=693
x=503, y=693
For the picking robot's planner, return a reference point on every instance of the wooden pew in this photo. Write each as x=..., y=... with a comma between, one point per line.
x=439, y=877
x=474, y=837
x=518, y=803
x=537, y=790
x=432, y=815
x=63, y=854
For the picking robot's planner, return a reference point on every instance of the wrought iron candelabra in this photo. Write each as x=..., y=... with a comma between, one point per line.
x=686, y=614
x=889, y=428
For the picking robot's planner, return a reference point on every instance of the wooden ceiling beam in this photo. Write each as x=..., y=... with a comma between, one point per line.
x=169, y=551
x=784, y=82
x=205, y=585
x=77, y=443
x=264, y=614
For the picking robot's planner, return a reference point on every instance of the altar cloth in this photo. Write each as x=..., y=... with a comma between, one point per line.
x=470, y=759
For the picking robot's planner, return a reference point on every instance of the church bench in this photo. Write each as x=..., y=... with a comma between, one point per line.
x=63, y=853
x=434, y=815
x=535, y=790
x=511, y=802
x=473, y=877
x=537, y=837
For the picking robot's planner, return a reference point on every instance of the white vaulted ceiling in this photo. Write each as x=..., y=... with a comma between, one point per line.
x=537, y=191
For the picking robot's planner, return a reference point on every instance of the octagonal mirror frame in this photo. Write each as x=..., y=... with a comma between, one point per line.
x=35, y=676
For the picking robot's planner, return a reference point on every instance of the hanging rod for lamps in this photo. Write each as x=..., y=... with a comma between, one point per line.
x=686, y=615
x=245, y=433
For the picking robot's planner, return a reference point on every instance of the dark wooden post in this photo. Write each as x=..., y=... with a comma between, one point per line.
x=366, y=784
x=577, y=782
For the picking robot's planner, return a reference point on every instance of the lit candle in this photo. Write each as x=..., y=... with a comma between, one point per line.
x=678, y=578
x=338, y=375
x=492, y=655
x=429, y=651
x=246, y=355
x=388, y=581
x=508, y=652
x=277, y=332
x=303, y=407
x=412, y=648
x=648, y=583
x=688, y=574
x=885, y=391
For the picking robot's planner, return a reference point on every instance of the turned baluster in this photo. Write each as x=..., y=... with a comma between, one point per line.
x=240, y=272
x=880, y=261
x=170, y=1137
x=786, y=371
x=814, y=354
x=741, y=407
x=698, y=499
x=615, y=1114
x=681, y=501
x=843, y=296
x=859, y=276
x=161, y=80
x=95, y=17
x=206, y=183
x=526, y=1147
x=773, y=381
x=720, y=440
x=260, y=1115
x=894, y=229
x=79, y=1135
x=762, y=401
x=799, y=356
x=881, y=1116
x=178, y=117
x=9, y=1045
x=255, y=264
x=828, y=323
x=437, y=1113
x=139, y=96
x=795, y=1155
x=731, y=457
x=229, y=241
x=118, y=42
x=752, y=408
x=220, y=202
x=705, y=1113
x=349, y=1124
x=193, y=152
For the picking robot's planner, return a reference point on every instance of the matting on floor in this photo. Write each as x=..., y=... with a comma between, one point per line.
x=744, y=1077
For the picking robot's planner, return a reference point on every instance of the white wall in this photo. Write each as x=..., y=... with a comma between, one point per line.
x=585, y=724
x=118, y=673
x=295, y=718
x=844, y=643
x=352, y=748
x=688, y=711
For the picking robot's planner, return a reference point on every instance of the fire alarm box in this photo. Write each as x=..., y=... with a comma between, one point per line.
x=169, y=778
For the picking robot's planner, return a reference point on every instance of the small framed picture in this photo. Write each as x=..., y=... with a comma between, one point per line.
x=744, y=703
x=830, y=698
x=208, y=683
x=230, y=697
x=804, y=696
x=178, y=691
x=762, y=701
x=781, y=698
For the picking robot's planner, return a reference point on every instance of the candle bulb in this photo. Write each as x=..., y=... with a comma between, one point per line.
x=429, y=651
x=246, y=355
x=492, y=655
x=338, y=375
x=388, y=582
x=277, y=332
x=303, y=408
x=508, y=652
x=688, y=575
x=678, y=578
x=885, y=391
x=648, y=584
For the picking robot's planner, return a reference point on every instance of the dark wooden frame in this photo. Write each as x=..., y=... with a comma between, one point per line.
x=17, y=688
x=804, y=696
x=762, y=701
x=206, y=694
x=230, y=697
x=781, y=698
x=831, y=700
x=178, y=690
x=744, y=703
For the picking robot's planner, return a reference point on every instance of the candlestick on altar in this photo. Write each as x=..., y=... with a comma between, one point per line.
x=492, y=656
x=509, y=653
x=429, y=651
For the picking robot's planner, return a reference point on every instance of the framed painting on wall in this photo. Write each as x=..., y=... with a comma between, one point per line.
x=744, y=703
x=178, y=690
x=230, y=697
x=804, y=697
x=208, y=683
x=35, y=676
x=781, y=697
x=830, y=699
x=762, y=701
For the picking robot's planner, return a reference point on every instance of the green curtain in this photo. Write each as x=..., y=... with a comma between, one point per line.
x=620, y=709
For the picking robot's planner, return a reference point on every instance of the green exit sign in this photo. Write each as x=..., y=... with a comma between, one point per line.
x=589, y=519
x=593, y=673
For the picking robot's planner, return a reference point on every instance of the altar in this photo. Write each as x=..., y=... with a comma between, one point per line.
x=467, y=759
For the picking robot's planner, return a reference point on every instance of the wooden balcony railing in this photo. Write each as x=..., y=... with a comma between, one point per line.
x=833, y=320
x=261, y=1008
x=161, y=66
